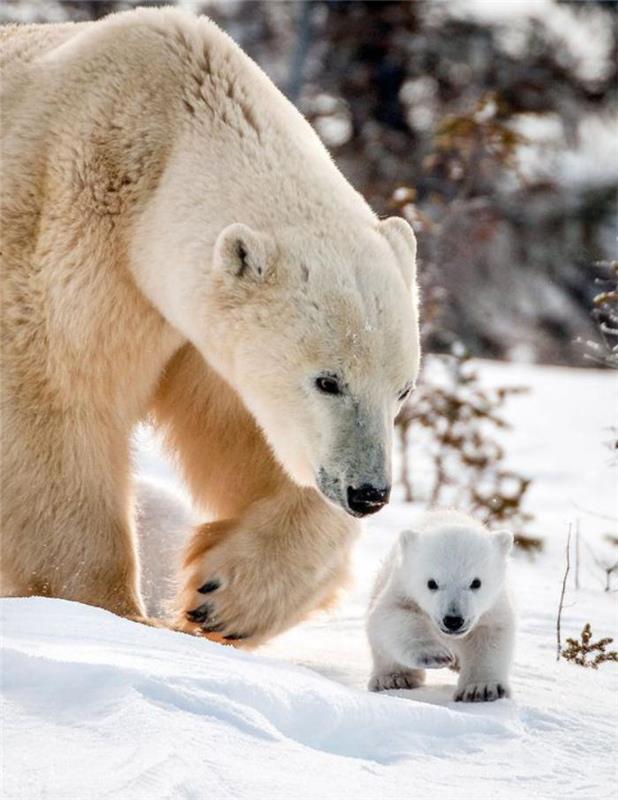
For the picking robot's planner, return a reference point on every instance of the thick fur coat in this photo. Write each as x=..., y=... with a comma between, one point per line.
x=442, y=599
x=178, y=245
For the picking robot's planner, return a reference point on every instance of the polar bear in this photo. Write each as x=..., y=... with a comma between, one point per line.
x=441, y=599
x=178, y=245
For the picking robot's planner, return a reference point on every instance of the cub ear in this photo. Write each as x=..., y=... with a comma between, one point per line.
x=504, y=540
x=407, y=541
x=244, y=253
x=401, y=238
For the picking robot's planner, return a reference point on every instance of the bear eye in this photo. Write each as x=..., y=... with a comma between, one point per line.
x=476, y=584
x=431, y=584
x=328, y=384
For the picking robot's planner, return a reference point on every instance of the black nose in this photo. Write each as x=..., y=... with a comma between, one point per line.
x=367, y=499
x=453, y=623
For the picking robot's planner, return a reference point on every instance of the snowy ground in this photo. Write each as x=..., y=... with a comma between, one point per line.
x=98, y=707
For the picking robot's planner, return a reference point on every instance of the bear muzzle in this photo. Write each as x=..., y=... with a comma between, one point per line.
x=367, y=499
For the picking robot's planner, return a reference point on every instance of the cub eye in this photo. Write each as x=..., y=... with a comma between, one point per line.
x=431, y=584
x=327, y=384
x=476, y=584
x=404, y=394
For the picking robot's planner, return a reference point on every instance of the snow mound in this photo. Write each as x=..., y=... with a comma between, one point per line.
x=96, y=705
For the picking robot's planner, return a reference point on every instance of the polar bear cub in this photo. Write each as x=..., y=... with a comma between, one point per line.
x=441, y=600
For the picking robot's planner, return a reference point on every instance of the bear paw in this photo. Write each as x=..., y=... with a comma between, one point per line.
x=220, y=610
x=411, y=679
x=244, y=588
x=482, y=692
x=434, y=657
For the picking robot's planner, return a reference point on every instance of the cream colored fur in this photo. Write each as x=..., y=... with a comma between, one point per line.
x=176, y=241
x=279, y=549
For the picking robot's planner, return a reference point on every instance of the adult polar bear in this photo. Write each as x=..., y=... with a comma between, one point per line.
x=177, y=242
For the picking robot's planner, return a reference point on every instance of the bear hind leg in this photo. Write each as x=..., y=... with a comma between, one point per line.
x=65, y=517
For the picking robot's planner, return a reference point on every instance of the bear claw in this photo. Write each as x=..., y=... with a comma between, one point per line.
x=433, y=659
x=209, y=586
x=482, y=693
x=199, y=614
x=214, y=627
x=394, y=680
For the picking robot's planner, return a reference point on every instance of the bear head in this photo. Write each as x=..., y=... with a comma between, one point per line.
x=454, y=573
x=319, y=336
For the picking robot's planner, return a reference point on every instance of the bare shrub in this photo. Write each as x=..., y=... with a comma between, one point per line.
x=455, y=418
x=586, y=653
x=605, y=313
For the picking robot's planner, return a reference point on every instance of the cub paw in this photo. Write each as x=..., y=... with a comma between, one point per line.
x=433, y=657
x=411, y=679
x=482, y=692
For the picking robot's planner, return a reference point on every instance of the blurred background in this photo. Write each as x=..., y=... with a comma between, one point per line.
x=491, y=125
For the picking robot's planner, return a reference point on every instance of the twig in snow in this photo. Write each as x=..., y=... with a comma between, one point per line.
x=564, y=581
x=577, y=555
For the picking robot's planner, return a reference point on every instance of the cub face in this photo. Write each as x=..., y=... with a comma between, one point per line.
x=454, y=574
x=320, y=339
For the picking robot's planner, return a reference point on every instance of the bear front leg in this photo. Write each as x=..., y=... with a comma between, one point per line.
x=402, y=645
x=277, y=551
x=388, y=674
x=251, y=578
x=485, y=657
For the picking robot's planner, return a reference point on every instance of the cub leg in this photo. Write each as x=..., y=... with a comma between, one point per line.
x=485, y=657
x=403, y=645
x=388, y=674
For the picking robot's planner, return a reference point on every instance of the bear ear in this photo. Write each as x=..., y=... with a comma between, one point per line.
x=401, y=238
x=244, y=253
x=407, y=540
x=504, y=540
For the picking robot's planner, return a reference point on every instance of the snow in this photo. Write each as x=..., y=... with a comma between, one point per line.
x=95, y=706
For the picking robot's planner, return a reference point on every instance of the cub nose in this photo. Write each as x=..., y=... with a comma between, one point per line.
x=367, y=499
x=453, y=623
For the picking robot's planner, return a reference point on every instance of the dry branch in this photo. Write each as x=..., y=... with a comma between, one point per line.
x=564, y=582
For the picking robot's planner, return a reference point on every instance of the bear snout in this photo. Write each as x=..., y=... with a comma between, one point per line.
x=367, y=499
x=452, y=624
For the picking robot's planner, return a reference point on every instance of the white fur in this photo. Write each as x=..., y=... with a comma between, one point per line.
x=326, y=287
x=164, y=522
x=406, y=619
